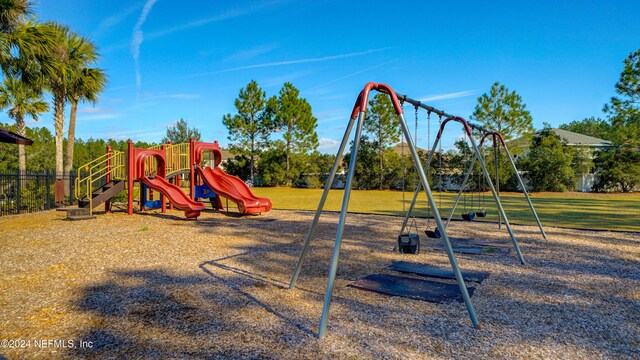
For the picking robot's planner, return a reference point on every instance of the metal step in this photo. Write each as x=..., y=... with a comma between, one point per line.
x=103, y=194
x=77, y=212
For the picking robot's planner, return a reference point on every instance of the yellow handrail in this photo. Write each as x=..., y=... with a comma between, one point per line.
x=111, y=164
x=176, y=159
x=177, y=156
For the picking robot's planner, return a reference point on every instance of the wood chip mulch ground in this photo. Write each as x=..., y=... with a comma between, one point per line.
x=155, y=285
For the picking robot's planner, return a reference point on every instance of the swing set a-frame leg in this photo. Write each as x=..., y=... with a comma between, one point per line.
x=323, y=199
x=524, y=188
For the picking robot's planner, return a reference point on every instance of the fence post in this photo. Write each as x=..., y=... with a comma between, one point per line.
x=48, y=187
x=18, y=185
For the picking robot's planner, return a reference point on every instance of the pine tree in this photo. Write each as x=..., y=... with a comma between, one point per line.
x=624, y=110
x=181, y=133
x=502, y=110
x=250, y=127
x=292, y=116
x=383, y=126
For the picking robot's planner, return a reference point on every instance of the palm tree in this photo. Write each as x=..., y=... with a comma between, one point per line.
x=23, y=100
x=24, y=44
x=13, y=13
x=71, y=51
x=84, y=85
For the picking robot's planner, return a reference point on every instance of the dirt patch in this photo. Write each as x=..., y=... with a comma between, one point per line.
x=155, y=285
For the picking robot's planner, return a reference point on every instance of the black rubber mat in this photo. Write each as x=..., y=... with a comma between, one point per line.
x=436, y=271
x=476, y=250
x=419, y=289
x=465, y=242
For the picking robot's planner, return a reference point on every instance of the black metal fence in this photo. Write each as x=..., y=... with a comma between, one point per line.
x=32, y=191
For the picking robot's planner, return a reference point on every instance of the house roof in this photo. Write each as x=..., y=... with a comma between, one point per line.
x=13, y=138
x=572, y=138
x=569, y=137
x=402, y=148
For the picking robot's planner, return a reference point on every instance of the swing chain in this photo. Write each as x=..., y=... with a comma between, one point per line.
x=404, y=166
x=440, y=178
x=415, y=143
x=429, y=167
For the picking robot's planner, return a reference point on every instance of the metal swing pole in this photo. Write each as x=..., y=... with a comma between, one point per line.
x=333, y=269
x=495, y=159
x=438, y=220
x=524, y=189
x=495, y=194
x=323, y=198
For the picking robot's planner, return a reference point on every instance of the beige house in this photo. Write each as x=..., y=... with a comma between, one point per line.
x=580, y=142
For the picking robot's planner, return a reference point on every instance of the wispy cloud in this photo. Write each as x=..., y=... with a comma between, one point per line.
x=226, y=15
x=163, y=95
x=290, y=62
x=331, y=115
x=349, y=75
x=137, y=37
x=279, y=80
x=244, y=55
x=94, y=110
x=327, y=144
x=115, y=19
x=305, y=61
x=123, y=134
x=98, y=116
x=449, y=96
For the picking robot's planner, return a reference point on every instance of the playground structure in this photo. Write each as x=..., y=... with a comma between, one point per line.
x=357, y=118
x=137, y=171
x=162, y=168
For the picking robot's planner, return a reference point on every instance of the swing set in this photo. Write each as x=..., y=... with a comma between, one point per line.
x=357, y=118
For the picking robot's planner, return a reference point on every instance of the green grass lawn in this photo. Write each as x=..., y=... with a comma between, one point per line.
x=574, y=210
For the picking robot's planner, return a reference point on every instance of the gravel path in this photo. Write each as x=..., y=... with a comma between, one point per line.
x=155, y=285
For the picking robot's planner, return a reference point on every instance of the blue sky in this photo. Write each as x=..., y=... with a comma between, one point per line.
x=168, y=60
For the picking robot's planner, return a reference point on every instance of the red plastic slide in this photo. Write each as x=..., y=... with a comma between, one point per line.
x=179, y=199
x=234, y=189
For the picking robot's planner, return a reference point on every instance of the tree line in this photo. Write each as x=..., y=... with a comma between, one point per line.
x=39, y=156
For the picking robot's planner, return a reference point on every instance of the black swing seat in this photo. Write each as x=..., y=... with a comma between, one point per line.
x=433, y=234
x=409, y=243
x=482, y=213
x=468, y=216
